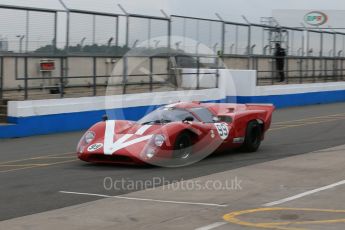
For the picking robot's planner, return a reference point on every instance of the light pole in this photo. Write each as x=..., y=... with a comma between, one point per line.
x=110, y=41
x=215, y=47
x=21, y=38
x=156, y=43
x=82, y=41
x=135, y=43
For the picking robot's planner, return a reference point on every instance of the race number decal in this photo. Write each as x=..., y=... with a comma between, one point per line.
x=223, y=130
x=94, y=147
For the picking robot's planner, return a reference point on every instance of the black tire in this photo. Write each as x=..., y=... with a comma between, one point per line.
x=252, y=140
x=183, y=147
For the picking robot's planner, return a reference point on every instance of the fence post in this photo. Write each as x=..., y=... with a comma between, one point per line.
x=26, y=78
x=342, y=69
x=1, y=77
x=27, y=31
x=325, y=70
x=217, y=72
x=335, y=60
x=62, y=74
x=249, y=45
x=249, y=42
x=117, y=32
x=321, y=44
x=321, y=72
x=94, y=76
x=169, y=35
x=301, y=70
x=125, y=74
x=314, y=72
x=198, y=73
x=223, y=34
x=62, y=89
x=169, y=64
x=125, y=58
x=55, y=33
x=67, y=25
x=93, y=29
x=151, y=73
x=274, y=71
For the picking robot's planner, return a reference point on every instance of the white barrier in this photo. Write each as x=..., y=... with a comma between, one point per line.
x=85, y=104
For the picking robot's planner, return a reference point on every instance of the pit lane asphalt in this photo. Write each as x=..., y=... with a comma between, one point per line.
x=33, y=170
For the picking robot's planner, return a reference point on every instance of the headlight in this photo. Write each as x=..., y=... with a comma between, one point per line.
x=150, y=153
x=159, y=140
x=89, y=136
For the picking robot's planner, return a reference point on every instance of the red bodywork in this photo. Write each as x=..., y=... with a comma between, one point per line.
x=128, y=142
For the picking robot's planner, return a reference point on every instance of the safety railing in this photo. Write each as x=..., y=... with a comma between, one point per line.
x=94, y=37
x=98, y=74
x=298, y=70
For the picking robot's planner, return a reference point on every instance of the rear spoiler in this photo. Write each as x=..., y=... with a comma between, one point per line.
x=269, y=108
x=258, y=105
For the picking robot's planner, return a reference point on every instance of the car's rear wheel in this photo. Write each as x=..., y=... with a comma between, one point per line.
x=253, y=137
x=183, y=147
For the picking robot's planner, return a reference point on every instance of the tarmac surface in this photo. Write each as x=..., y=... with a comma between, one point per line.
x=40, y=174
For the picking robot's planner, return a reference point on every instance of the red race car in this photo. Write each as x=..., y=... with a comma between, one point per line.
x=177, y=134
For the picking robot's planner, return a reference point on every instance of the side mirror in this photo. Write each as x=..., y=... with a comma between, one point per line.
x=188, y=119
x=104, y=117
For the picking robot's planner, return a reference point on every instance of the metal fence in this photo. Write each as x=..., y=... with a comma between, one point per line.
x=91, y=32
x=96, y=39
x=147, y=32
x=300, y=70
x=27, y=30
x=126, y=74
x=193, y=35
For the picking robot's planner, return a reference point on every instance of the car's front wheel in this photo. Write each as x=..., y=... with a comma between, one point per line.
x=183, y=147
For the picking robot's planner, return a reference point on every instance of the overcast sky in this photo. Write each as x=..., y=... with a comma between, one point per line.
x=229, y=9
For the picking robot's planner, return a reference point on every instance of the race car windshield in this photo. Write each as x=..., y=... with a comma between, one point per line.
x=166, y=115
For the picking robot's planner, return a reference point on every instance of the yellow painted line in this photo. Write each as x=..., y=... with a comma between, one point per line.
x=38, y=166
x=47, y=158
x=232, y=217
x=312, y=121
x=34, y=158
x=304, y=119
x=23, y=165
x=305, y=124
x=54, y=155
x=11, y=170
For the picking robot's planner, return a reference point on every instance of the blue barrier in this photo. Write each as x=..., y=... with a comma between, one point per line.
x=292, y=100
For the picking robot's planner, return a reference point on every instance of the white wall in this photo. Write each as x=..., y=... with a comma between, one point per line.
x=71, y=105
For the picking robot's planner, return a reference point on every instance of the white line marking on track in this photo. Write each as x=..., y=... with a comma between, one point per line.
x=304, y=194
x=212, y=226
x=86, y=194
x=144, y=199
